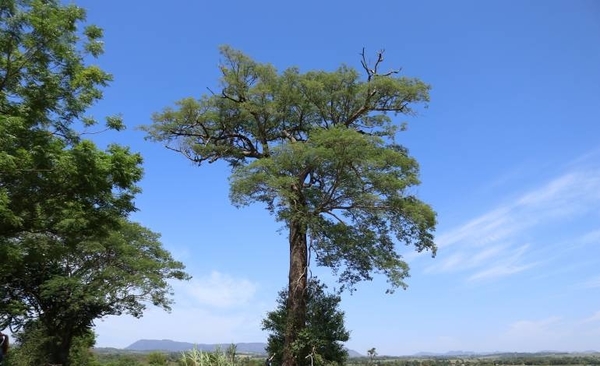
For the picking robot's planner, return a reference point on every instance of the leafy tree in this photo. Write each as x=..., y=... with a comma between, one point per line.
x=372, y=353
x=33, y=340
x=324, y=331
x=45, y=87
x=318, y=148
x=157, y=359
x=67, y=284
x=68, y=254
x=231, y=353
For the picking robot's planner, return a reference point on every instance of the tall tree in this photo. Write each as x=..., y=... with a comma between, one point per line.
x=318, y=148
x=324, y=333
x=68, y=253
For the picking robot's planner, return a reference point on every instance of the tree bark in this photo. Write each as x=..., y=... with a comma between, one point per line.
x=296, y=305
x=59, y=348
x=62, y=352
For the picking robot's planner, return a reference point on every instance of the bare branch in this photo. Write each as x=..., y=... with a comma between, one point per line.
x=335, y=216
x=289, y=136
x=240, y=99
x=374, y=71
x=365, y=65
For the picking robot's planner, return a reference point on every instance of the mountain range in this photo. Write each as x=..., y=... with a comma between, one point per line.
x=259, y=348
x=167, y=345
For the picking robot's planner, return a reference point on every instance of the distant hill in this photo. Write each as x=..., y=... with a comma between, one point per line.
x=448, y=354
x=167, y=345
x=451, y=354
x=174, y=346
x=353, y=353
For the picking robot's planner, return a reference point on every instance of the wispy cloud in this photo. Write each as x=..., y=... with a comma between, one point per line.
x=211, y=308
x=493, y=244
x=550, y=333
x=219, y=290
x=593, y=237
x=594, y=318
x=593, y=282
x=533, y=327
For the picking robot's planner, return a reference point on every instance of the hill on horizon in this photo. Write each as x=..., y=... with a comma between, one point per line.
x=167, y=345
x=175, y=346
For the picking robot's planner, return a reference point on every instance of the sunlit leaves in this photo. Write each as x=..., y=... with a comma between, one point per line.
x=325, y=329
x=318, y=149
x=68, y=254
x=43, y=74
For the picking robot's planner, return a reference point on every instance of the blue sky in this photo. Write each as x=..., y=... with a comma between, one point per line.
x=509, y=151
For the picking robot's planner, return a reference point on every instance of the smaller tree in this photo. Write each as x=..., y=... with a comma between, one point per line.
x=231, y=353
x=372, y=354
x=323, y=335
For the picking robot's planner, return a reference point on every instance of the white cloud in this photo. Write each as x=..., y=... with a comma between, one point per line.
x=507, y=265
x=550, y=193
x=215, y=308
x=593, y=282
x=219, y=290
x=551, y=333
x=594, y=318
x=592, y=237
x=545, y=331
x=491, y=245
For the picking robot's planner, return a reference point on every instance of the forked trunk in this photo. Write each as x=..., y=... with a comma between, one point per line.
x=296, y=305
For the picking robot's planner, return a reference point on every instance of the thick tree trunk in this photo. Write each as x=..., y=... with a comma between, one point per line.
x=296, y=306
x=61, y=348
x=60, y=355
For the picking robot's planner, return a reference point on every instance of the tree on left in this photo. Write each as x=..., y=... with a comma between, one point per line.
x=68, y=252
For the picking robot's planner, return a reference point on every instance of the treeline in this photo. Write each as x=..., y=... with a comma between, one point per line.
x=175, y=359
x=496, y=360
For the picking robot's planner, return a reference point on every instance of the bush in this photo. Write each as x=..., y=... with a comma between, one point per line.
x=157, y=359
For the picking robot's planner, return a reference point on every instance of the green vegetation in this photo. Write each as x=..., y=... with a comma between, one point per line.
x=323, y=337
x=193, y=357
x=68, y=253
x=512, y=359
x=319, y=150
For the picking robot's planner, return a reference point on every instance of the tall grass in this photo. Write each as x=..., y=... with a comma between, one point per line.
x=197, y=357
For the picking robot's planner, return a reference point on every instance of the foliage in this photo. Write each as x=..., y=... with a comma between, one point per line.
x=67, y=284
x=126, y=361
x=34, y=340
x=118, y=359
x=324, y=333
x=68, y=253
x=231, y=353
x=319, y=150
x=541, y=358
x=197, y=357
x=372, y=353
x=43, y=76
x=157, y=359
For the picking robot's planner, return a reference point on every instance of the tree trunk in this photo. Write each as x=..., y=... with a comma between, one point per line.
x=61, y=349
x=296, y=306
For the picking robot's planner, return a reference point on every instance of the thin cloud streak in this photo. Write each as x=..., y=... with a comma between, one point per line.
x=593, y=282
x=492, y=245
x=594, y=318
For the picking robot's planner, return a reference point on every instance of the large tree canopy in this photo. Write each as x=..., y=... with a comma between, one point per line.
x=45, y=88
x=319, y=149
x=68, y=252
